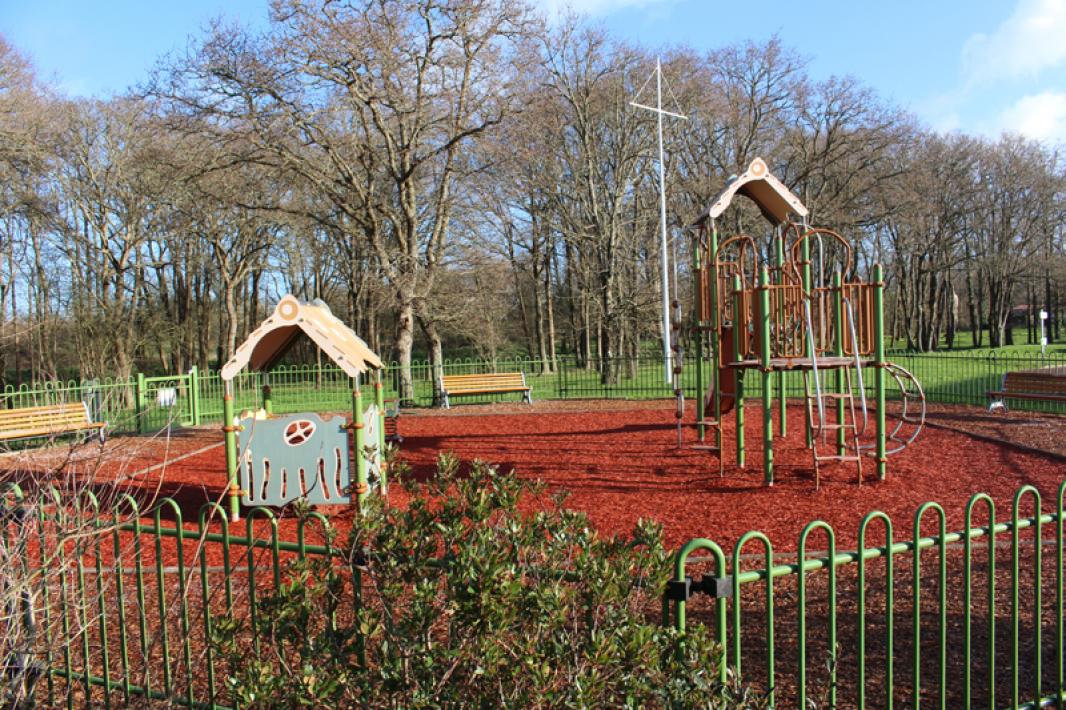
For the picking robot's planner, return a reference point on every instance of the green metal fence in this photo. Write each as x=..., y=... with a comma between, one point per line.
x=963, y=619
x=137, y=404
x=103, y=603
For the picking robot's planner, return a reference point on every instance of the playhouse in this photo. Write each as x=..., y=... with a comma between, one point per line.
x=793, y=302
x=273, y=460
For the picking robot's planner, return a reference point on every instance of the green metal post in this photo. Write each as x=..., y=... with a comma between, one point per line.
x=808, y=292
x=879, y=367
x=781, y=399
x=767, y=377
x=738, y=373
x=838, y=350
x=700, y=429
x=716, y=342
x=194, y=395
x=361, y=487
x=229, y=428
x=142, y=413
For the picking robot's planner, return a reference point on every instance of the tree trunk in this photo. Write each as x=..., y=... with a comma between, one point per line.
x=549, y=307
x=404, y=343
x=436, y=357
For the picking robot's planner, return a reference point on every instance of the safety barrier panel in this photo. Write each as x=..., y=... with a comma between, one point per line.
x=135, y=404
x=107, y=603
x=961, y=619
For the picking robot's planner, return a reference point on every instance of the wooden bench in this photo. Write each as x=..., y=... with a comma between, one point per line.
x=48, y=421
x=1046, y=385
x=489, y=383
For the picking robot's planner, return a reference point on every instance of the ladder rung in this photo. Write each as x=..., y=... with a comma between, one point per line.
x=835, y=427
x=834, y=395
x=838, y=458
x=707, y=422
x=705, y=447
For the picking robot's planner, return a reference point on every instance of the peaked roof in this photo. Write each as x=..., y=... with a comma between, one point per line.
x=759, y=185
x=291, y=318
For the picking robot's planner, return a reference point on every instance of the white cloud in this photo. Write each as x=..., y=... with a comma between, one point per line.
x=593, y=8
x=1038, y=116
x=1029, y=41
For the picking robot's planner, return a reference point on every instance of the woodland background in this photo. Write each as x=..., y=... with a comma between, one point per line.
x=459, y=177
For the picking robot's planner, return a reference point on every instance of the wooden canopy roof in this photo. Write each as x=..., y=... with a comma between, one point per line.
x=292, y=318
x=758, y=184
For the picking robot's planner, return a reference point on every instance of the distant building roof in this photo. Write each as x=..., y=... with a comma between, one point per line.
x=292, y=317
x=758, y=184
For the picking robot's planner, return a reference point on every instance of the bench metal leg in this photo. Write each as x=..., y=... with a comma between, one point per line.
x=997, y=404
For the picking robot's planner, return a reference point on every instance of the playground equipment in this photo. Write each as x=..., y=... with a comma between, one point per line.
x=798, y=305
x=279, y=459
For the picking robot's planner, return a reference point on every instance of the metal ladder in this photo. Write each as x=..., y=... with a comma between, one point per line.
x=820, y=427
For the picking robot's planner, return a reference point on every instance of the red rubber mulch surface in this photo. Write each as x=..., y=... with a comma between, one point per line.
x=621, y=465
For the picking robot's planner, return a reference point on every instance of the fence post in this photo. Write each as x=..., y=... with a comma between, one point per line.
x=139, y=398
x=194, y=395
x=560, y=384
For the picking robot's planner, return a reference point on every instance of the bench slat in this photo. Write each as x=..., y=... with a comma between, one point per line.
x=42, y=421
x=1049, y=386
x=485, y=383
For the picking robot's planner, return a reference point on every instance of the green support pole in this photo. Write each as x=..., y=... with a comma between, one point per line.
x=142, y=409
x=716, y=342
x=379, y=400
x=194, y=395
x=229, y=428
x=361, y=487
x=738, y=373
x=879, y=366
x=763, y=316
x=805, y=255
x=268, y=403
x=838, y=350
x=700, y=429
x=781, y=399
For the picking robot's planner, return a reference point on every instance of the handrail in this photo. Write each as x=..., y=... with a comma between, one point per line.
x=819, y=231
x=858, y=366
x=814, y=365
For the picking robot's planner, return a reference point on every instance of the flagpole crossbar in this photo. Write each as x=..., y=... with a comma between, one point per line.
x=659, y=110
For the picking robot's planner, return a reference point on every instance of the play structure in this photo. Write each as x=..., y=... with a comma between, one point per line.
x=273, y=460
x=793, y=302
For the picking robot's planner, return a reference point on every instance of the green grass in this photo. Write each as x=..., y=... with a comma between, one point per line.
x=964, y=344
x=954, y=377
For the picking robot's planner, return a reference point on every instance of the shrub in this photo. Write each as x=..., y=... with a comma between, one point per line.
x=477, y=593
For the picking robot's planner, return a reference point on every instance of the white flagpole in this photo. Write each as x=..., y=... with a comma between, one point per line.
x=664, y=249
x=668, y=367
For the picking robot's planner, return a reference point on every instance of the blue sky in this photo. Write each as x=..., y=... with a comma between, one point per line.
x=981, y=66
